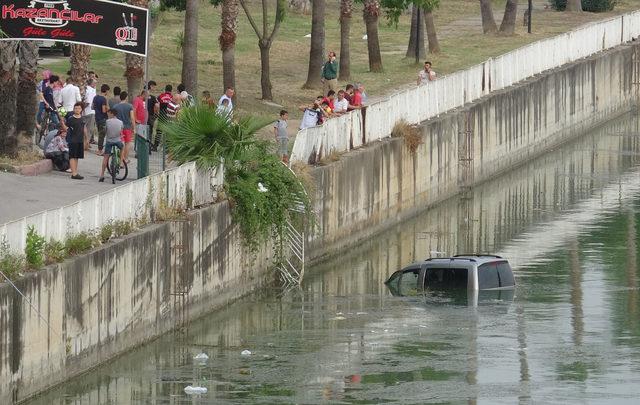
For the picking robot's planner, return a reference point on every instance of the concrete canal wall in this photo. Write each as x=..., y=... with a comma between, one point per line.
x=370, y=188
x=132, y=290
x=110, y=300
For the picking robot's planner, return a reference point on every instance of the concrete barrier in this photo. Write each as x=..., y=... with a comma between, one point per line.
x=455, y=90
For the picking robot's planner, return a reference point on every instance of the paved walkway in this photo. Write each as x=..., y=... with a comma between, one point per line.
x=25, y=195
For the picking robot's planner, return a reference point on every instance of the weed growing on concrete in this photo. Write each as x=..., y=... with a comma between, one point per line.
x=80, y=243
x=334, y=156
x=122, y=228
x=54, y=252
x=410, y=133
x=11, y=264
x=34, y=248
x=106, y=232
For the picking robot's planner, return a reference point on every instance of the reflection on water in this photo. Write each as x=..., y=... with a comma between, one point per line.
x=568, y=223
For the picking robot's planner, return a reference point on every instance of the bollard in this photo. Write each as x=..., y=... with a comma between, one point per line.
x=142, y=151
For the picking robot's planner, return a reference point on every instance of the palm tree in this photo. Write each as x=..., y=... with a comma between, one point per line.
x=508, y=25
x=265, y=40
x=229, y=23
x=135, y=64
x=8, y=92
x=317, y=44
x=488, y=22
x=26, y=102
x=190, y=47
x=346, y=9
x=371, y=14
x=80, y=57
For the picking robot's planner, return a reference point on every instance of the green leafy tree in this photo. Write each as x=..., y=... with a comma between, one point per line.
x=265, y=40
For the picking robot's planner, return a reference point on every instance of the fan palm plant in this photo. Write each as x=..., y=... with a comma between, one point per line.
x=207, y=137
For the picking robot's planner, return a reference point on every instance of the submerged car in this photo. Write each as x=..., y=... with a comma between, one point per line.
x=470, y=273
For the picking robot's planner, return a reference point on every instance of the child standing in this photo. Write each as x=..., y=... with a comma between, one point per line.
x=76, y=135
x=282, y=138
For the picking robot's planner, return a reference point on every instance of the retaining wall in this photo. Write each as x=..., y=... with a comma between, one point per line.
x=110, y=300
x=370, y=188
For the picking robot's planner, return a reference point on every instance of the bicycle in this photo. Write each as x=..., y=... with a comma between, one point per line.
x=117, y=168
x=44, y=126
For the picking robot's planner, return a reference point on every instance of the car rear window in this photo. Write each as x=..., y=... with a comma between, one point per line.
x=495, y=275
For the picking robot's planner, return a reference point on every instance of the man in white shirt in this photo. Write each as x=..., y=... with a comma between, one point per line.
x=341, y=104
x=89, y=113
x=70, y=95
x=426, y=74
x=228, y=94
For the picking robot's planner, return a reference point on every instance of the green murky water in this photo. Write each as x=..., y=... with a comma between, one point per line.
x=569, y=223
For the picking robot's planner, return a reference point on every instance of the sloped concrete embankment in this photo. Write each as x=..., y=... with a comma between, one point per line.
x=132, y=290
x=371, y=188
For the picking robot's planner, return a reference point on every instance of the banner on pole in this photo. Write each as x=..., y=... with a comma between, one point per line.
x=102, y=23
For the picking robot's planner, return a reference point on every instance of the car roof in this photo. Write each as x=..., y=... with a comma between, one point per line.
x=478, y=259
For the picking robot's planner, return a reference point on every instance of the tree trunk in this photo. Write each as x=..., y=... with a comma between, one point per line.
x=508, y=25
x=371, y=13
x=488, y=22
x=434, y=45
x=317, y=45
x=227, y=39
x=80, y=57
x=300, y=6
x=190, y=48
x=26, y=103
x=574, y=5
x=8, y=93
x=416, y=49
x=265, y=79
x=346, y=10
x=135, y=65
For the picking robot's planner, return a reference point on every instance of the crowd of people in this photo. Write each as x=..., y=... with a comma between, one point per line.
x=106, y=118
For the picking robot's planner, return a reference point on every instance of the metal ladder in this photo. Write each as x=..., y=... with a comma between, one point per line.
x=292, y=269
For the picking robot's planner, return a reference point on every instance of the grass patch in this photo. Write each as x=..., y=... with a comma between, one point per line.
x=22, y=159
x=457, y=21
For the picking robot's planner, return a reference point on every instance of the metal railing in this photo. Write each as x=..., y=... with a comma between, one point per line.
x=452, y=91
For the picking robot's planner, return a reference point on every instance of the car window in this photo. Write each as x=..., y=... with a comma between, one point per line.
x=506, y=275
x=488, y=276
x=445, y=278
x=408, y=284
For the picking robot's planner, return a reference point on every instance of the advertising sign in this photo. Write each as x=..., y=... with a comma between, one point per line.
x=102, y=23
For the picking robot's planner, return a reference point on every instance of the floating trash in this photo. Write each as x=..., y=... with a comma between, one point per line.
x=245, y=353
x=338, y=318
x=201, y=357
x=190, y=390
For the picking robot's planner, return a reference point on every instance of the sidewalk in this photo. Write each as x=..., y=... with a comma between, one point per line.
x=23, y=195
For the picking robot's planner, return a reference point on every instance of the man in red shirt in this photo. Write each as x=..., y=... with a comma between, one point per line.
x=329, y=99
x=355, y=99
x=140, y=108
x=164, y=99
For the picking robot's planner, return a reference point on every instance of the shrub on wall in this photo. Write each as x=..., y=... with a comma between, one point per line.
x=587, y=5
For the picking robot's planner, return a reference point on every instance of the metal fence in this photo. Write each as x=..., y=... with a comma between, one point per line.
x=183, y=187
x=421, y=103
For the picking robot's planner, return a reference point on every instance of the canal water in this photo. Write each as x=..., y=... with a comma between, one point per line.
x=569, y=223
